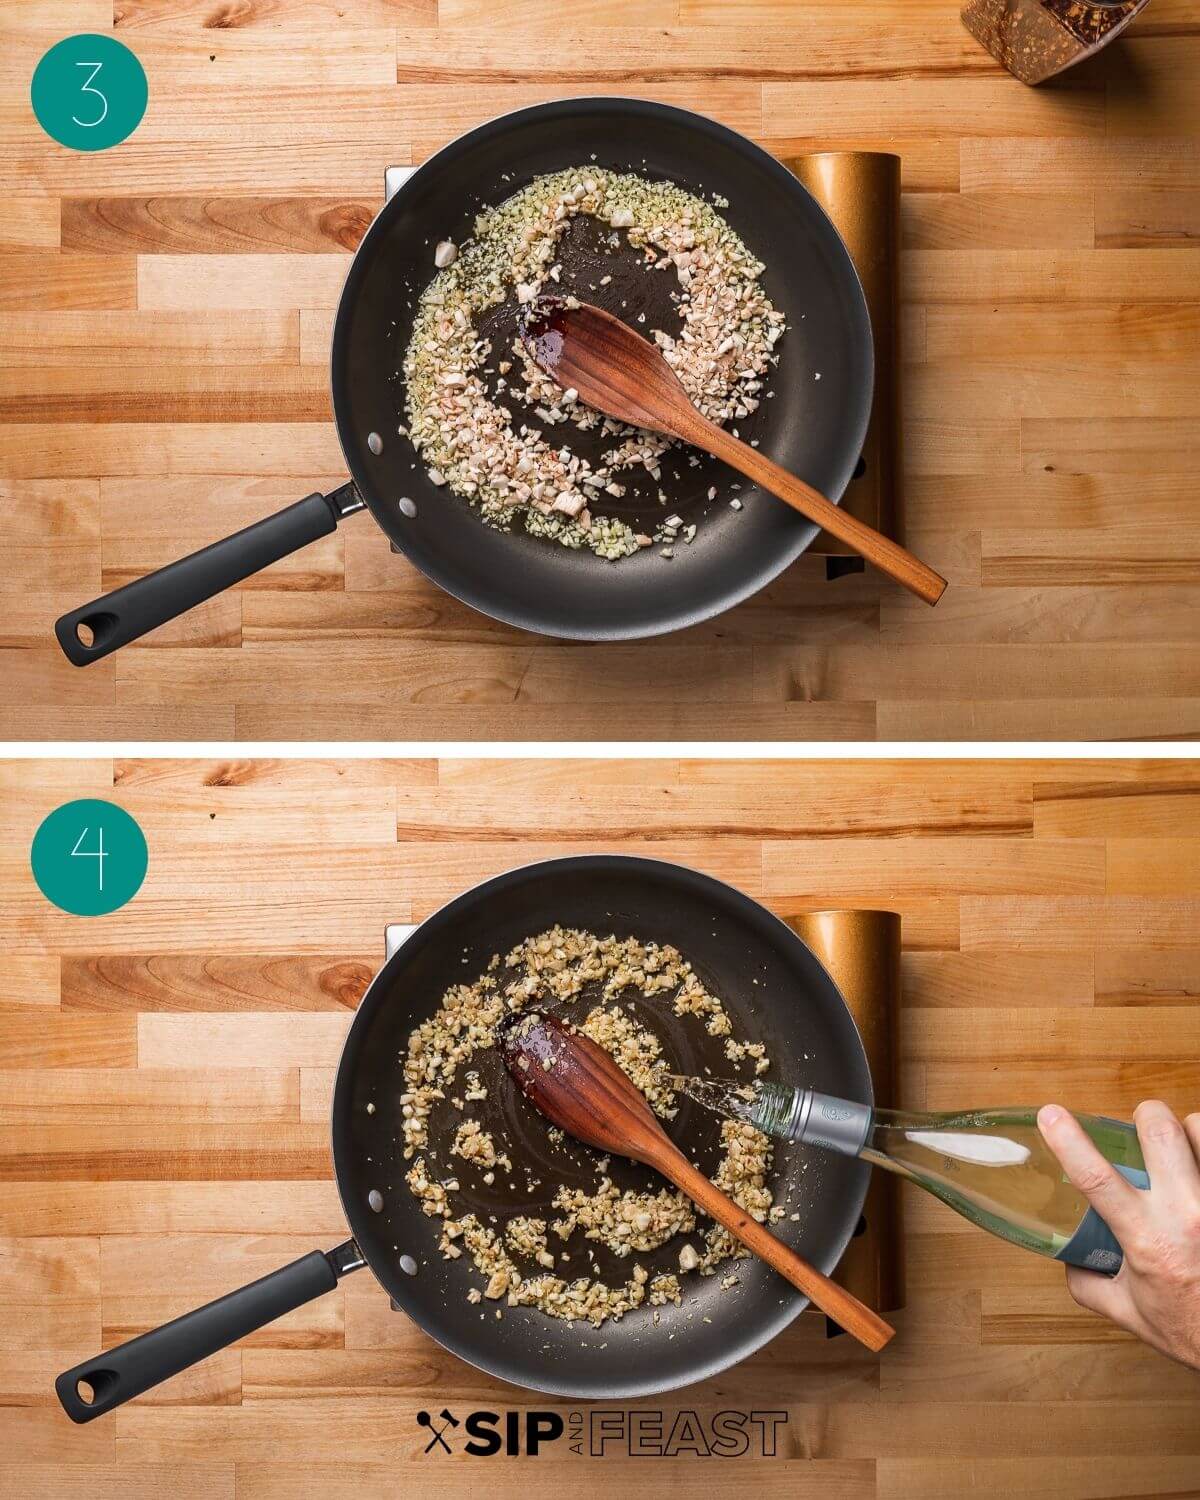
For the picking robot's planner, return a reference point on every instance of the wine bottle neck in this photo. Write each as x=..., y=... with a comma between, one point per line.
x=834, y=1124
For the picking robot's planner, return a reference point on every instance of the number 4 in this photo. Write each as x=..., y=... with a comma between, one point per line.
x=97, y=854
x=88, y=89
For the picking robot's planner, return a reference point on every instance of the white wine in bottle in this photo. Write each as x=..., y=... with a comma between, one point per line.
x=990, y=1165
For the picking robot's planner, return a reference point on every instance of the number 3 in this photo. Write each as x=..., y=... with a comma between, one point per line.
x=88, y=89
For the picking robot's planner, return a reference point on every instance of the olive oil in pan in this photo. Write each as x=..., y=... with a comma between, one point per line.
x=992, y=1166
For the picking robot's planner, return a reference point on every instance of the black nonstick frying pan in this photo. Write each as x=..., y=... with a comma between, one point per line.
x=814, y=425
x=773, y=989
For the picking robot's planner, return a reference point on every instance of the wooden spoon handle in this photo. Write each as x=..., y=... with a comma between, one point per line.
x=888, y=556
x=845, y=1309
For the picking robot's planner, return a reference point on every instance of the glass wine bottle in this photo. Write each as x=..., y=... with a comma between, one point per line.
x=990, y=1165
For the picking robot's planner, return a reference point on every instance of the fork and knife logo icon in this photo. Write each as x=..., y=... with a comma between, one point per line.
x=448, y=1420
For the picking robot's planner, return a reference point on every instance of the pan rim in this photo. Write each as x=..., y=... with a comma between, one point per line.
x=614, y=631
x=792, y=1302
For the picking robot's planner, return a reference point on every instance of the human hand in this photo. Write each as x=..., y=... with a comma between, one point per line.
x=1156, y=1293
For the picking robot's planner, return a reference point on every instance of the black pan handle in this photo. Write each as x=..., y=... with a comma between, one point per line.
x=98, y=1385
x=127, y=613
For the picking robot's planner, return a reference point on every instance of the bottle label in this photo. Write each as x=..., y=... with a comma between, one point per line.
x=1093, y=1245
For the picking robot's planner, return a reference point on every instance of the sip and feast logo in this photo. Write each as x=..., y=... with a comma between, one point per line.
x=607, y=1433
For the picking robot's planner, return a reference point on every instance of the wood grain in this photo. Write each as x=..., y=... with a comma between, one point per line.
x=61, y=282
x=165, y=1080
x=185, y=226
x=165, y=314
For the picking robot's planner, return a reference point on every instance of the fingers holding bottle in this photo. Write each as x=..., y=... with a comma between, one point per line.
x=1113, y=1198
x=1168, y=1152
x=1156, y=1294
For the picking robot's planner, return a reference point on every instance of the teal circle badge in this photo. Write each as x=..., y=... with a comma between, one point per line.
x=89, y=857
x=89, y=92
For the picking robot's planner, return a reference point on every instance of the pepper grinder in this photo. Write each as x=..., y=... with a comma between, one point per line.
x=1035, y=39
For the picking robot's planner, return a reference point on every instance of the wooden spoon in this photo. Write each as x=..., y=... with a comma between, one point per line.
x=577, y=1085
x=625, y=376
